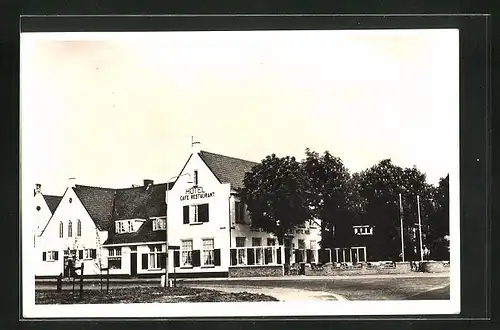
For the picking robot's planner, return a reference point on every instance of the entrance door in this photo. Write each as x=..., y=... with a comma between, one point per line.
x=133, y=264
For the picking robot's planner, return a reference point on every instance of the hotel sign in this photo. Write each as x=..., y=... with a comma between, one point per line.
x=196, y=193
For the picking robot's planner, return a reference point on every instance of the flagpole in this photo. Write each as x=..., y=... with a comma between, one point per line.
x=401, y=219
x=420, y=228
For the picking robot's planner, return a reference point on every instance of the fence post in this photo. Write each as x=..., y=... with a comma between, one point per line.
x=107, y=280
x=59, y=283
x=81, y=281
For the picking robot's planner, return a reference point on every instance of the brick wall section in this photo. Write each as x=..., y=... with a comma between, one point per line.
x=435, y=267
x=256, y=271
x=330, y=270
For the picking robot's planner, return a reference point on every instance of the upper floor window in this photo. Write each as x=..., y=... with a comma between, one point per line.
x=195, y=213
x=125, y=226
x=61, y=229
x=363, y=230
x=239, y=212
x=79, y=228
x=159, y=223
x=70, y=229
x=195, y=174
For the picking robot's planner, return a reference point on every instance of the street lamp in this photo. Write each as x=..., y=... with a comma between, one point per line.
x=166, y=224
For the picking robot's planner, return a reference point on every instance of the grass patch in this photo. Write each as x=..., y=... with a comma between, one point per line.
x=145, y=295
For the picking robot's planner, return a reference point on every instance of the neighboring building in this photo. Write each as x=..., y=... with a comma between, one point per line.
x=43, y=207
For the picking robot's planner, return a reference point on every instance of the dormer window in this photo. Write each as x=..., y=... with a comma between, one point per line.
x=126, y=226
x=363, y=230
x=159, y=224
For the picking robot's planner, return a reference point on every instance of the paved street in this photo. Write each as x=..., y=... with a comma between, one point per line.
x=381, y=287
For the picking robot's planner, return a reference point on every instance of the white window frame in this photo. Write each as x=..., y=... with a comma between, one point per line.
x=186, y=253
x=159, y=223
x=130, y=226
x=70, y=228
x=50, y=256
x=61, y=229
x=87, y=254
x=208, y=252
x=241, y=251
x=364, y=230
x=154, y=250
x=78, y=228
x=115, y=253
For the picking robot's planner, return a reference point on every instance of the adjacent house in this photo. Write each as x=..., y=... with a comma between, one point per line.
x=42, y=209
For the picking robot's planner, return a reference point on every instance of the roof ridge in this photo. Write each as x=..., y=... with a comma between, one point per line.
x=213, y=153
x=115, y=189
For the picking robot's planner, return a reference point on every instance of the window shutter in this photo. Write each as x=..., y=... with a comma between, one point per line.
x=80, y=254
x=233, y=257
x=308, y=256
x=321, y=256
x=44, y=256
x=144, y=261
x=196, y=258
x=93, y=253
x=56, y=255
x=250, y=256
x=177, y=258
x=217, y=257
x=203, y=213
x=297, y=255
x=278, y=255
x=163, y=259
x=185, y=219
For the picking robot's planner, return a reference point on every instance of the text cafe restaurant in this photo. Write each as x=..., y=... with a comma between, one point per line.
x=211, y=227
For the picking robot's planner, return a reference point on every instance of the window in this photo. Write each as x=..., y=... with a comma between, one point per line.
x=70, y=229
x=241, y=255
x=271, y=242
x=61, y=229
x=187, y=253
x=50, y=256
x=208, y=252
x=314, y=249
x=79, y=228
x=124, y=226
x=195, y=178
x=115, y=258
x=239, y=212
x=155, y=257
x=196, y=213
x=159, y=224
x=89, y=254
x=363, y=230
x=257, y=241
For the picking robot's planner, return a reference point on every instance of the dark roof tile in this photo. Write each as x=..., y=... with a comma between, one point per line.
x=227, y=169
x=99, y=204
x=52, y=202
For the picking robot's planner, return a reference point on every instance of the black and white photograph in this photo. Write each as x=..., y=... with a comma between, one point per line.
x=240, y=173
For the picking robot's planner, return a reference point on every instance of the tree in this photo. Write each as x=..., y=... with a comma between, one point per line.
x=274, y=194
x=327, y=192
x=439, y=222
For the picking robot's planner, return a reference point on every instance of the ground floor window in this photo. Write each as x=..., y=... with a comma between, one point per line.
x=256, y=255
x=208, y=252
x=187, y=253
x=115, y=258
x=351, y=255
x=241, y=252
x=50, y=256
x=155, y=257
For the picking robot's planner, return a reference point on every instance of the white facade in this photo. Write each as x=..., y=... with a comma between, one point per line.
x=54, y=243
x=40, y=212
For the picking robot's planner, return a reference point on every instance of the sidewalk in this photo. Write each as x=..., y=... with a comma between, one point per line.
x=282, y=294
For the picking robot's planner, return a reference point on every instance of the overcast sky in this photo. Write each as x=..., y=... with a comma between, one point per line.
x=114, y=109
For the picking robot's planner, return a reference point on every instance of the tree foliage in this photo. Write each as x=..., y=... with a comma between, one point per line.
x=274, y=194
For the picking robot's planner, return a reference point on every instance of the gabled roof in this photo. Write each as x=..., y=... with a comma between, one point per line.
x=52, y=202
x=105, y=205
x=227, y=169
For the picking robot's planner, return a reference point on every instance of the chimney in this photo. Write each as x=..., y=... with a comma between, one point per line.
x=148, y=182
x=38, y=188
x=71, y=182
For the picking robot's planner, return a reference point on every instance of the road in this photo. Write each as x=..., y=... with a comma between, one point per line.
x=408, y=287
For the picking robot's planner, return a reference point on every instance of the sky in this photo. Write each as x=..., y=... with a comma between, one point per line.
x=112, y=109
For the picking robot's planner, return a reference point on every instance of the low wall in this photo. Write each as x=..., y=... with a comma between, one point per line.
x=435, y=267
x=256, y=271
x=330, y=270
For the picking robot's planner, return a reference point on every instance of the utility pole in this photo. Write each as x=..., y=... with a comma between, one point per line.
x=420, y=228
x=401, y=220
